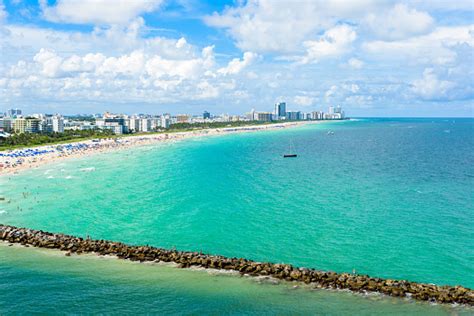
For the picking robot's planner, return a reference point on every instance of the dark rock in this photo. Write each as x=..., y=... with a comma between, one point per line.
x=319, y=279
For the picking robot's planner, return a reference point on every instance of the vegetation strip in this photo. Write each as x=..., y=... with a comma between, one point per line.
x=23, y=140
x=322, y=279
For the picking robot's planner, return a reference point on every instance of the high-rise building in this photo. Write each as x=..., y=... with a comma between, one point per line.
x=134, y=124
x=165, y=121
x=331, y=110
x=206, y=115
x=7, y=124
x=293, y=115
x=315, y=115
x=264, y=116
x=32, y=125
x=155, y=123
x=26, y=125
x=338, y=110
x=13, y=112
x=19, y=125
x=57, y=123
x=115, y=124
x=280, y=110
x=145, y=125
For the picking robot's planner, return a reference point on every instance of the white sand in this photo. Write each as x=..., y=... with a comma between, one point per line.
x=57, y=152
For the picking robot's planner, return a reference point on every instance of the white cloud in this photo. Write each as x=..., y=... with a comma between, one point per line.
x=121, y=61
x=207, y=90
x=335, y=42
x=23, y=41
x=359, y=101
x=433, y=48
x=97, y=11
x=354, y=88
x=355, y=63
x=236, y=65
x=444, y=5
x=303, y=100
x=265, y=26
x=330, y=93
x=430, y=87
x=283, y=26
x=138, y=75
x=49, y=62
x=399, y=22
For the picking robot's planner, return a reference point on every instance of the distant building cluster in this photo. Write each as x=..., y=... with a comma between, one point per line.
x=280, y=113
x=14, y=121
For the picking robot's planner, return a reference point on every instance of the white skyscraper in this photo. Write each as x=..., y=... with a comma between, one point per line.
x=280, y=110
x=165, y=121
x=57, y=123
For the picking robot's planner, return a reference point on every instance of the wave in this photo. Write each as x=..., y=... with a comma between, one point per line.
x=89, y=169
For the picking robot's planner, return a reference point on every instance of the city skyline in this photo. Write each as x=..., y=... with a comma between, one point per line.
x=374, y=58
x=15, y=121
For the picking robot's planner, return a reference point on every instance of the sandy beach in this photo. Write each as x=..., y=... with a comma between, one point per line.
x=14, y=161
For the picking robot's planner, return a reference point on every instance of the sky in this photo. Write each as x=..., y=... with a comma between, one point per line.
x=372, y=57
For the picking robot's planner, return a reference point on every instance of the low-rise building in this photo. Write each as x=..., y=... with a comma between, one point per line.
x=182, y=118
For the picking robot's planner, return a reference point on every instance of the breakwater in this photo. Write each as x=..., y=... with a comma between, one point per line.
x=321, y=279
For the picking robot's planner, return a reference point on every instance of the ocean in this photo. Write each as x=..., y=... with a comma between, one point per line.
x=391, y=198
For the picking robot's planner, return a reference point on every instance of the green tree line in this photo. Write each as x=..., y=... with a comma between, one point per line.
x=33, y=139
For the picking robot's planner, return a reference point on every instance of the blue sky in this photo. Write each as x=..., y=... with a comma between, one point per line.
x=373, y=57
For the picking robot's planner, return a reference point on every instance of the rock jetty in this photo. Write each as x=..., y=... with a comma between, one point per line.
x=320, y=279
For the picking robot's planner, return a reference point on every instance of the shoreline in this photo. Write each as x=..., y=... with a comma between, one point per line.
x=17, y=160
x=285, y=272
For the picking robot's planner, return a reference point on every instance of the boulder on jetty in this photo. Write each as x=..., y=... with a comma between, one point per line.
x=321, y=279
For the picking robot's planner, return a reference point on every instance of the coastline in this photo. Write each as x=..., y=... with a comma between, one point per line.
x=17, y=160
x=279, y=271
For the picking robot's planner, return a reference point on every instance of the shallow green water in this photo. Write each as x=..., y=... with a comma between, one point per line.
x=47, y=281
x=389, y=198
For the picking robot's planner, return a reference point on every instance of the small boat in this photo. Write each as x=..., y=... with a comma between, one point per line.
x=290, y=154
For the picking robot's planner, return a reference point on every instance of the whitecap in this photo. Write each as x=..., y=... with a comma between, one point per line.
x=3, y=212
x=50, y=177
x=68, y=177
x=88, y=169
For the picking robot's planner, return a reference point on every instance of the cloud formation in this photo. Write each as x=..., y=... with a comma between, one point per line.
x=334, y=42
x=363, y=55
x=127, y=77
x=430, y=87
x=399, y=22
x=97, y=11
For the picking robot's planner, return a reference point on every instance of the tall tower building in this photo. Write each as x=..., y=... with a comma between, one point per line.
x=280, y=109
x=13, y=112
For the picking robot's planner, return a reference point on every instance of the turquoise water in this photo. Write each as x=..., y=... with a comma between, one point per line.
x=387, y=197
